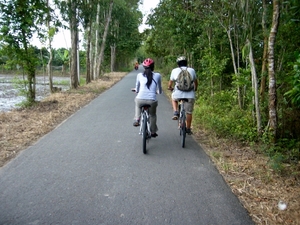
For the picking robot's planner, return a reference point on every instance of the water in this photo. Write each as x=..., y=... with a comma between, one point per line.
x=9, y=97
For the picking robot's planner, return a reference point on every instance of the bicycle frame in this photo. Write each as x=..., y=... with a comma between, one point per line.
x=182, y=121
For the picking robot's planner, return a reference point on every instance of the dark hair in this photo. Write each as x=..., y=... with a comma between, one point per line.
x=149, y=74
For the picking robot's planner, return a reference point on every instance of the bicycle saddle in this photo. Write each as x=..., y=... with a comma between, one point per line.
x=145, y=106
x=183, y=99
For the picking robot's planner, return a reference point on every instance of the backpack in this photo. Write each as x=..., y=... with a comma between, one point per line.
x=185, y=81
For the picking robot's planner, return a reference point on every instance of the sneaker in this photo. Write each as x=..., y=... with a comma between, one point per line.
x=136, y=123
x=175, y=116
x=188, y=131
x=154, y=135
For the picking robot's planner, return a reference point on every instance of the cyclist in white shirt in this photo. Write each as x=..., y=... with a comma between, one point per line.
x=148, y=84
x=177, y=94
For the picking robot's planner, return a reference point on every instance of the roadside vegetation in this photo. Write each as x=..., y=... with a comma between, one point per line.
x=246, y=54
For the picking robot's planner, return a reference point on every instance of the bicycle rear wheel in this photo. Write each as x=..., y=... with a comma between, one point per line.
x=144, y=132
x=183, y=131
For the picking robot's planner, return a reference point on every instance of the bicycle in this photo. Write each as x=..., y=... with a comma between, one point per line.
x=182, y=120
x=144, y=124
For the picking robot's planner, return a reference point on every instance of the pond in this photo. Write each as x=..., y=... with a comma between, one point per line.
x=9, y=94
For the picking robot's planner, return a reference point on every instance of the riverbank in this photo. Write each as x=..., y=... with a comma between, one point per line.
x=9, y=91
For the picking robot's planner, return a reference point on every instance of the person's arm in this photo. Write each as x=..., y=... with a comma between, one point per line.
x=159, y=85
x=137, y=84
x=170, y=85
x=196, y=84
x=172, y=81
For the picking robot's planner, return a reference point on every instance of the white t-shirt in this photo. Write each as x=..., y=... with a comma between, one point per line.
x=182, y=94
x=143, y=91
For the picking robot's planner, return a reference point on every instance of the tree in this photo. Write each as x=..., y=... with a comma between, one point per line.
x=64, y=57
x=19, y=20
x=74, y=73
x=272, y=78
x=102, y=48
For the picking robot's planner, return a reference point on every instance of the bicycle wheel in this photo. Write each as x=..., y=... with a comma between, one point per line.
x=144, y=132
x=183, y=130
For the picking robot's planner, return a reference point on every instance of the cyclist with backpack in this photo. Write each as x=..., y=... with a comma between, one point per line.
x=148, y=84
x=185, y=84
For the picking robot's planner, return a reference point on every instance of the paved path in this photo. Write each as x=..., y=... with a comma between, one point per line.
x=91, y=170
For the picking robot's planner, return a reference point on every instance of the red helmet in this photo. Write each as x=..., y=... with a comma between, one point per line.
x=148, y=62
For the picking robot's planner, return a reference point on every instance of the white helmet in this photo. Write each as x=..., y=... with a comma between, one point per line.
x=181, y=58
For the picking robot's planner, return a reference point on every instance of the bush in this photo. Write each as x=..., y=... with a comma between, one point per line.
x=221, y=114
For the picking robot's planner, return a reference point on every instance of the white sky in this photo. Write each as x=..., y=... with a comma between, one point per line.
x=62, y=39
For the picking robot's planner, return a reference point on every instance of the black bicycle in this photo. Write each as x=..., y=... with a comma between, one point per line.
x=145, y=126
x=182, y=120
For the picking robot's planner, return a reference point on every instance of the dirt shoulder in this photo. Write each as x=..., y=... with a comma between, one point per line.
x=21, y=128
x=247, y=173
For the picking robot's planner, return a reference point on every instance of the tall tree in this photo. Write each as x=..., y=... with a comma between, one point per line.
x=86, y=13
x=74, y=73
x=104, y=37
x=272, y=79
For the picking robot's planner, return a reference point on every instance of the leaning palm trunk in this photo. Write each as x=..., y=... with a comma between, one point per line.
x=101, y=55
x=255, y=88
x=272, y=80
x=234, y=67
x=265, y=54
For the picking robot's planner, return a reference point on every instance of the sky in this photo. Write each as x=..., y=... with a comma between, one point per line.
x=62, y=38
x=146, y=9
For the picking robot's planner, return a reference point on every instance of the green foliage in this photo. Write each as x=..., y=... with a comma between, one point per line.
x=276, y=162
x=220, y=114
x=22, y=86
x=294, y=93
x=287, y=150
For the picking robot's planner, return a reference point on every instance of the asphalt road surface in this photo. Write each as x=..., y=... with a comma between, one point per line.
x=91, y=170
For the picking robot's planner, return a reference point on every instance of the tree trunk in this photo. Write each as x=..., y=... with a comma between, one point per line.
x=74, y=45
x=88, y=55
x=255, y=88
x=49, y=68
x=96, y=44
x=264, y=71
x=91, y=61
x=234, y=67
x=210, y=62
x=30, y=70
x=272, y=79
x=112, y=57
x=101, y=55
x=49, y=65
